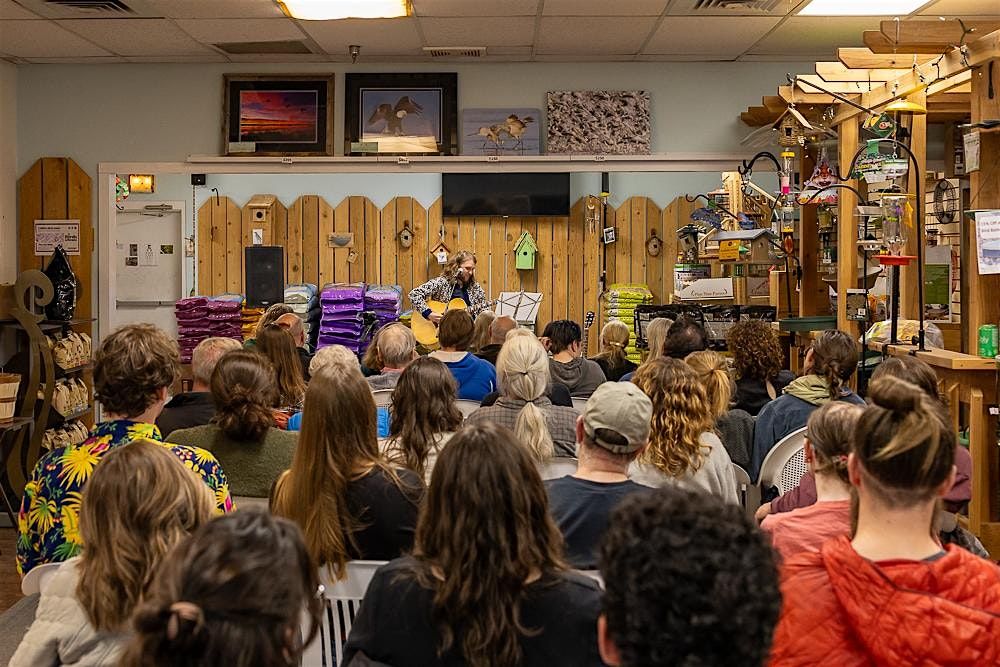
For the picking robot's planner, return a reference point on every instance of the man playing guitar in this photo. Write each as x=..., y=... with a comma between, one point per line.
x=457, y=281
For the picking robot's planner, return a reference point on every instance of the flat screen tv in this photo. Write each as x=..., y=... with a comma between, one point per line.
x=505, y=194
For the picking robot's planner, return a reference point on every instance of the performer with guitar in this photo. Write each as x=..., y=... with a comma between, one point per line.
x=456, y=287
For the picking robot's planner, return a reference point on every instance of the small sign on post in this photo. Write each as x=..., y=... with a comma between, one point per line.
x=50, y=233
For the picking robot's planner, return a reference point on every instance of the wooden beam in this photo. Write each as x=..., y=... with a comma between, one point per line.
x=950, y=83
x=842, y=87
x=952, y=63
x=847, y=229
x=837, y=71
x=857, y=58
x=879, y=43
x=774, y=104
x=934, y=31
x=909, y=277
x=790, y=94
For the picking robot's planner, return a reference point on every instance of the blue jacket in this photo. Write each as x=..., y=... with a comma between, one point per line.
x=475, y=377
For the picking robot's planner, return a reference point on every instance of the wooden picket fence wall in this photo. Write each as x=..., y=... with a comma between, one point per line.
x=568, y=263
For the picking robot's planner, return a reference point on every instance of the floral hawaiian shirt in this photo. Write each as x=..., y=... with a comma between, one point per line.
x=48, y=523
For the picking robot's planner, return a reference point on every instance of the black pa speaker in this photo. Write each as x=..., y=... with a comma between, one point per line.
x=265, y=275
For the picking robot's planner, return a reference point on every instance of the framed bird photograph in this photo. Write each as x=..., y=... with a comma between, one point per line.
x=278, y=114
x=401, y=114
x=506, y=131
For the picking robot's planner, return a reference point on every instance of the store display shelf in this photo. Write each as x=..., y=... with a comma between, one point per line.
x=74, y=415
x=16, y=423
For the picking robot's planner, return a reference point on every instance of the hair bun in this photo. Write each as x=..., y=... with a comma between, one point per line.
x=894, y=394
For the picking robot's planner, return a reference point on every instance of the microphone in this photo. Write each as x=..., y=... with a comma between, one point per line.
x=459, y=273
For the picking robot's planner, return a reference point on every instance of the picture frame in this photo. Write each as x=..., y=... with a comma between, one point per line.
x=501, y=131
x=277, y=114
x=401, y=114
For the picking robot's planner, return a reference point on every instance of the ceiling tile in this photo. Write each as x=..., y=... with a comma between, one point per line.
x=44, y=39
x=10, y=10
x=206, y=58
x=282, y=57
x=689, y=8
x=963, y=8
x=137, y=37
x=376, y=36
x=513, y=31
x=77, y=60
x=604, y=7
x=721, y=36
x=816, y=37
x=475, y=7
x=218, y=31
x=593, y=36
x=215, y=9
x=582, y=58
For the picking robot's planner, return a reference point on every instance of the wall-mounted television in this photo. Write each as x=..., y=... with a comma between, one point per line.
x=505, y=194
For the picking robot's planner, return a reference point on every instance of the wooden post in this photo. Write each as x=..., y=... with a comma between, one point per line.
x=812, y=291
x=847, y=250
x=983, y=304
x=909, y=276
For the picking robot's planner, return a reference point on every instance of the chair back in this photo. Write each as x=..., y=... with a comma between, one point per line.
x=556, y=467
x=785, y=464
x=579, y=403
x=32, y=582
x=341, y=600
x=748, y=492
x=466, y=407
x=383, y=398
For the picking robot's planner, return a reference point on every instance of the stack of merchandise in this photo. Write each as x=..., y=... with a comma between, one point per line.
x=619, y=303
x=225, y=319
x=250, y=317
x=192, y=324
x=341, y=323
x=304, y=302
x=385, y=302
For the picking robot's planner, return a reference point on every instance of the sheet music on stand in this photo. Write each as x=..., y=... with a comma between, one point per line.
x=522, y=306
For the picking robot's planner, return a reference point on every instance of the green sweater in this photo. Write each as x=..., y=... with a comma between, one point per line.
x=251, y=467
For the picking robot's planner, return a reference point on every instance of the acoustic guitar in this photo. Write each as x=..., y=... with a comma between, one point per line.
x=425, y=331
x=588, y=321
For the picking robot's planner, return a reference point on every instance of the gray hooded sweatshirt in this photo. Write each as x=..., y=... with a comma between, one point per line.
x=582, y=376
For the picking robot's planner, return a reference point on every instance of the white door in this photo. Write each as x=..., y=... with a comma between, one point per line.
x=148, y=267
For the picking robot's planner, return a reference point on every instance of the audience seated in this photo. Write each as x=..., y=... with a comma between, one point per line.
x=757, y=360
x=424, y=416
x=133, y=368
x=498, y=334
x=523, y=371
x=196, y=407
x=242, y=435
x=476, y=378
x=395, y=348
x=612, y=359
x=685, y=335
x=336, y=356
x=734, y=427
x=612, y=431
x=270, y=316
x=682, y=447
x=656, y=335
x=688, y=581
x=233, y=594
x=581, y=375
x=349, y=502
x=829, y=365
x=481, y=331
x=486, y=583
x=891, y=595
x=278, y=347
x=139, y=502
x=827, y=445
x=292, y=323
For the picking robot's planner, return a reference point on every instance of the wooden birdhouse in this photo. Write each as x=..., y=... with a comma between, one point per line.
x=441, y=252
x=791, y=127
x=524, y=251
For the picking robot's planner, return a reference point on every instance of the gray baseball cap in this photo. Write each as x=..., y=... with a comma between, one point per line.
x=620, y=407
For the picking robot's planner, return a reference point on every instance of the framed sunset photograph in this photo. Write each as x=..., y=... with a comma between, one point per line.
x=283, y=114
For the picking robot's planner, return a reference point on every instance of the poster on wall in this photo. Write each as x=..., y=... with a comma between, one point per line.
x=50, y=233
x=599, y=122
x=937, y=283
x=278, y=114
x=506, y=131
x=988, y=241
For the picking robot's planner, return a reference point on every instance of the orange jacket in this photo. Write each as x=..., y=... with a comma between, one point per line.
x=841, y=609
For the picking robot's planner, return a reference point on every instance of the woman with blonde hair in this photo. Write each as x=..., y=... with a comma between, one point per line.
x=523, y=375
x=612, y=359
x=270, y=316
x=348, y=500
x=656, y=336
x=138, y=504
x=481, y=331
x=278, y=347
x=734, y=427
x=682, y=448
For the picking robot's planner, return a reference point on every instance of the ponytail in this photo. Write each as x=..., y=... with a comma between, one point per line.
x=714, y=376
x=830, y=428
x=243, y=387
x=835, y=359
x=523, y=372
x=614, y=339
x=531, y=429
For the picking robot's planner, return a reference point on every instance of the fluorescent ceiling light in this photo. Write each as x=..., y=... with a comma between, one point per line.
x=861, y=7
x=326, y=10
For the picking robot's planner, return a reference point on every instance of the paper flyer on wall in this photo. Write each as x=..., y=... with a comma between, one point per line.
x=988, y=241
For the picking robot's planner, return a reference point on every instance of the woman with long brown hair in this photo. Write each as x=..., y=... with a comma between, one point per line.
x=758, y=364
x=277, y=345
x=486, y=584
x=612, y=358
x=424, y=415
x=890, y=593
x=733, y=426
x=348, y=500
x=138, y=504
x=682, y=449
x=242, y=435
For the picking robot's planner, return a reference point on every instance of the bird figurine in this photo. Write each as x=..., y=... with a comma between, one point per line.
x=394, y=115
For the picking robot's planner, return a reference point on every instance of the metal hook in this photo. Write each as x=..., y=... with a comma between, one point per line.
x=216, y=191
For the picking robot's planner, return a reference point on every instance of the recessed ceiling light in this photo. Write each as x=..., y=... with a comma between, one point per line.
x=327, y=10
x=861, y=7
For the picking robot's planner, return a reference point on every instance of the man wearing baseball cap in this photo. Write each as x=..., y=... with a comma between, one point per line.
x=610, y=434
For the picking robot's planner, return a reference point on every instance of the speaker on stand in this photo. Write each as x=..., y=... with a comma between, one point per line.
x=265, y=275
